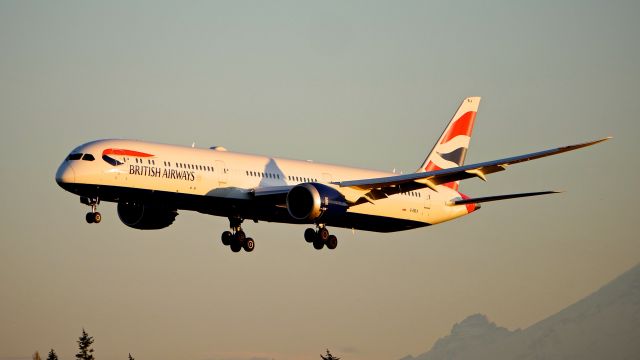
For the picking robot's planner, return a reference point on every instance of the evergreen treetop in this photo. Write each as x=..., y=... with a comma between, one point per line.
x=329, y=356
x=52, y=355
x=84, y=344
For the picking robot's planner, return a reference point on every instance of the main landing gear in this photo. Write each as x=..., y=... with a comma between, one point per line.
x=92, y=217
x=320, y=238
x=236, y=238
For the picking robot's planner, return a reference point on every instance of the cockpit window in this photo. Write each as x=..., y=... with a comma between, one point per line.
x=74, y=156
x=88, y=157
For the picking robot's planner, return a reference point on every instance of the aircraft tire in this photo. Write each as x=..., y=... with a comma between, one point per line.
x=97, y=217
x=236, y=246
x=323, y=234
x=226, y=238
x=89, y=218
x=240, y=236
x=332, y=242
x=318, y=244
x=309, y=235
x=249, y=245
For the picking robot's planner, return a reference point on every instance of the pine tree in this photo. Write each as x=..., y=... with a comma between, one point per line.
x=329, y=356
x=52, y=355
x=36, y=356
x=84, y=344
x=131, y=357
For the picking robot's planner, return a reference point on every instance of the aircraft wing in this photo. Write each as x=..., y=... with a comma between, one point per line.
x=272, y=190
x=382, y=187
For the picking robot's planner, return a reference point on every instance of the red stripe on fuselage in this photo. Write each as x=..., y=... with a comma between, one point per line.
x=125, y=153
x=462, y=126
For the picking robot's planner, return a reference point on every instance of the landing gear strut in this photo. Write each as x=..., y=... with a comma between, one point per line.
x=236, y=238
x=320, y=238
x=92, y=217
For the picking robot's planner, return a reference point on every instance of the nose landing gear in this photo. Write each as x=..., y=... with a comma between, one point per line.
x=236, y=239
x=92, y=217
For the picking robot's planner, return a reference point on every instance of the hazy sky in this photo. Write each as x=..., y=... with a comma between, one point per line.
x=357, y=83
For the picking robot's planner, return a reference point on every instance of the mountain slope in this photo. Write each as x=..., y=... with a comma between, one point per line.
x=604, y=325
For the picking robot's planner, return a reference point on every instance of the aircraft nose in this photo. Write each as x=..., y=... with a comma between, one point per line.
x=65, y=174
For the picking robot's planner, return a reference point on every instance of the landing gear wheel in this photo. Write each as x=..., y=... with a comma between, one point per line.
x=309, y=235
x=323, y=234
x=236, y=246
x=236, y=238
x=248, y=245
x=93, y=217
x=318, y=244
x=226, y=238
x=332, y=242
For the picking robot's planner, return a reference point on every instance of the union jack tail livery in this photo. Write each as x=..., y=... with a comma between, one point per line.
x=451, y=149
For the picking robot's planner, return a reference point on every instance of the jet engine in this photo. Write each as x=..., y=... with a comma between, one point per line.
x=139, y=215
x=311, y=201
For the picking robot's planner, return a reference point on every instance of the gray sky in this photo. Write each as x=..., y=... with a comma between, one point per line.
x=357, y=83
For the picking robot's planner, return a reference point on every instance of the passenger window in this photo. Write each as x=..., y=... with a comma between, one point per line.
x=88, y=157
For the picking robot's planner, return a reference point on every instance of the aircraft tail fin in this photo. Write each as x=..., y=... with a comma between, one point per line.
x=451, y=148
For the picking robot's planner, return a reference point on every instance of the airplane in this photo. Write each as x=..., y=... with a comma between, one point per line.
x=150, y=182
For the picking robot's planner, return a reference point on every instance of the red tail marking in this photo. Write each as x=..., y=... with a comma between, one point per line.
x=433, y=167
x=462, y=126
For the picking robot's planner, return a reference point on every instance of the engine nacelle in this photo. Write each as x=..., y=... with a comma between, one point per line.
x=139, y=215
x=310, y=201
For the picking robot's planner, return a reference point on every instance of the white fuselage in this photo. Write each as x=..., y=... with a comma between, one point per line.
x=220, y=182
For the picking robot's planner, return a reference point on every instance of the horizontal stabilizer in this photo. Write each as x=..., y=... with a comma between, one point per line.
x=498, y=197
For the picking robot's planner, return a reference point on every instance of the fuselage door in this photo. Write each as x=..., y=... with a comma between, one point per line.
x=221, y=173
x=427, y=203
